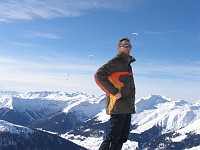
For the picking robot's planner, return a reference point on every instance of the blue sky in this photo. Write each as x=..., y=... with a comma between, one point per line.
x=45, y=45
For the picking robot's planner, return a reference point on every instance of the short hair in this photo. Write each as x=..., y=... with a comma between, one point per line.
x=124, y=39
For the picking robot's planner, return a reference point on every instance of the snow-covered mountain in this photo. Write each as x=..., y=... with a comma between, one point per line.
x=23, y=138
x=160, y=123
x=170, y=115
x=27, y=108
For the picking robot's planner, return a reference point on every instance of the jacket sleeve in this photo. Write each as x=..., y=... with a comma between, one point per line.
x=102, y=78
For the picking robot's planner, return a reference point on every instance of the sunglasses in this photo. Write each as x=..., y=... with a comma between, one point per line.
x=126, y=46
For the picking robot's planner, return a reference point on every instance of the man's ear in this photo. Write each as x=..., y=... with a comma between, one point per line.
x=119, y=49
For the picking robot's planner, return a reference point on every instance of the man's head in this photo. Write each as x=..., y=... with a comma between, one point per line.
x=124, y=45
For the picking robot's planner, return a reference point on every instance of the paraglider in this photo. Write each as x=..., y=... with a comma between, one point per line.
x=67, y=75
x=90, y=56
x=135, y=34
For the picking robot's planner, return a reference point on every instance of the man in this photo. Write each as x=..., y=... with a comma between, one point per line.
x=116, y=79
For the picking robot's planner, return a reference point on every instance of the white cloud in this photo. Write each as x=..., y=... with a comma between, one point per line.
x=48, y=9
x=187, y=70
x=44, y=65
x=154, y=32
x=23, y=44
x=46, y=35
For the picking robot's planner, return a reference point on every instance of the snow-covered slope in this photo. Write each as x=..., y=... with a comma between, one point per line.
x=78, y=110
x=23, y=111
x=23, y=138
x=170, y=115
x=11, y=128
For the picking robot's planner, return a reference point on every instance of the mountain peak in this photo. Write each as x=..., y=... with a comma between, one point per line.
x=150, y=102
x=181, y=102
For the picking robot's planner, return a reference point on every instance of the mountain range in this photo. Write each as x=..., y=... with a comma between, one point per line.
x=78, y=121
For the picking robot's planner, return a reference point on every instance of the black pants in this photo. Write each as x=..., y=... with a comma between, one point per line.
x=118, y=132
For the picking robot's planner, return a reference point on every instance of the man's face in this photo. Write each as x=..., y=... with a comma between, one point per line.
x=125, y=47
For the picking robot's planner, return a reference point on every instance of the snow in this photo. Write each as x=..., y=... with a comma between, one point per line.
x=43, y=103
x=179, y=138
x=6, y=102
x=194, y=148
x=197, y=103
x=93, y=143
x=88, y=109
x=193, y=127
x=130, y=145
x=12, y=128
x=171, y=115
x=150, y=102
x=102, y=117
x=47, y=131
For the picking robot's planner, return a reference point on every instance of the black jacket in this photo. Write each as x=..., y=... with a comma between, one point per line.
x=114, y=76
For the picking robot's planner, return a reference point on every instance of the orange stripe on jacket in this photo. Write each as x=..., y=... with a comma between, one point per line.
x=102, y=87
x=114, y=78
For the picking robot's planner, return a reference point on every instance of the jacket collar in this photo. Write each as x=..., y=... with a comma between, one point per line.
x=127, y=58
